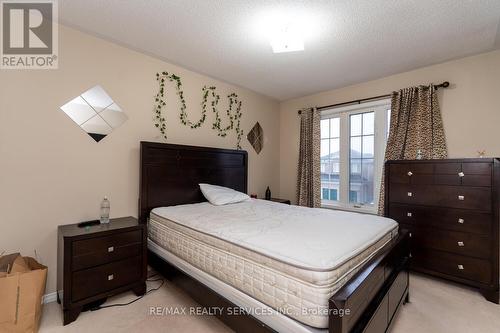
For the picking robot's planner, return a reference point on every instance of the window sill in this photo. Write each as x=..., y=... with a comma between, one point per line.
x=363, y=210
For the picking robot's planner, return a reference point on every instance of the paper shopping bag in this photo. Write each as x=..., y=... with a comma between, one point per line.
x=21, y=288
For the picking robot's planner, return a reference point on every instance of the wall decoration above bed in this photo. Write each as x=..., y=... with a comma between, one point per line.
x=233, y=112
x=256, y=137
x=95, y=112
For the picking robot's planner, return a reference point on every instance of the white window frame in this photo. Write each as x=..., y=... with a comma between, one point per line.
x=380, y=108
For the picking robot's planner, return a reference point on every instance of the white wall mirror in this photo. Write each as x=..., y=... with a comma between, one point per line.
x=95, y=112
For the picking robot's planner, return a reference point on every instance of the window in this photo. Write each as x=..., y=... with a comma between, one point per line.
x=330, y=158
x=353, y=140
x=361, y=157
x=329, y=194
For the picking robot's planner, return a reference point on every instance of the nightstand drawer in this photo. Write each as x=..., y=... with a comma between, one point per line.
x=90, y=282
x=101, y=250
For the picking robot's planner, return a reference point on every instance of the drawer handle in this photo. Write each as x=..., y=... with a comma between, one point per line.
x=461, y=267
x=461, y=198
x=461, y=174
x=111, y=277
x=410, y=173
x=111, y=249
x=410, y=194
x=460, y=243
x=461, y=221
x=409, y=214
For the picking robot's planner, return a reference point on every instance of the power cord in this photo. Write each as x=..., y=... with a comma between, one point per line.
x=136, y=299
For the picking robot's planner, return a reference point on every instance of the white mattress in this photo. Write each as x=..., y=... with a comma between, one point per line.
x=288, y=257
x=264, y=313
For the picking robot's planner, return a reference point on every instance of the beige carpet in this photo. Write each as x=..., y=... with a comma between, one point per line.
x=436, y=306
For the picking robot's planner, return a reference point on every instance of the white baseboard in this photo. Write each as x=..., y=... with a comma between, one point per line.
x=49, y=298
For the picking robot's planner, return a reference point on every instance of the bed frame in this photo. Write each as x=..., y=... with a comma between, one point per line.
x=170, y=175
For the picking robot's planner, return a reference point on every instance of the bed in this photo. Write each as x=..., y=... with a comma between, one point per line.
x=257, y=256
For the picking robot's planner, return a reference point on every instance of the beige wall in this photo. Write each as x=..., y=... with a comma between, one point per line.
x=470, y=108
x=52, y=173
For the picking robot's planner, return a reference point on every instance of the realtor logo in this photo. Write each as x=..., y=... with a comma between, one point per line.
x=29, y=34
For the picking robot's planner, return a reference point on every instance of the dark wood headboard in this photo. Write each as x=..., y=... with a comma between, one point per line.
x=170, y=174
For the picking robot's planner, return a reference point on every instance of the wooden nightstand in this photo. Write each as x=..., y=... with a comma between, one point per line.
x=283, y=201
x=96, y=262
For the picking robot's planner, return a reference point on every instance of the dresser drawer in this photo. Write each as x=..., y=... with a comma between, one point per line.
x=462, y=179
x=406, y=214
x=447, y=168
x=415, y=168
x=478, y=198
x=448, y=218
x=467, y=174
x=406, y=173
x=466, y=244
x=447, y=180
x=476, y=180
x=101, y=250
x=90, y=282
x=454, y=265
x=474, y=168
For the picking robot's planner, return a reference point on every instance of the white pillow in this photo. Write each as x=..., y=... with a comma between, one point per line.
x=219, y=195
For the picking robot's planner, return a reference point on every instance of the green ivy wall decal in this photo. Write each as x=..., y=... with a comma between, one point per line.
x=233, y=112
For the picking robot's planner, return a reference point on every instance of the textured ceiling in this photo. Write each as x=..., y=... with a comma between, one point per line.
x=351, y=40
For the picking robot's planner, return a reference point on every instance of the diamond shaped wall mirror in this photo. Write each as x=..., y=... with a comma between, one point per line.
x=256, y=137
x=95, y=112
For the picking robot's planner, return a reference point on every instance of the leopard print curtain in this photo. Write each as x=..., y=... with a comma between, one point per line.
x=416, y=124
x=309, y=168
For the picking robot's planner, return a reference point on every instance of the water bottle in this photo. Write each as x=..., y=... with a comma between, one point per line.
x=105, y=206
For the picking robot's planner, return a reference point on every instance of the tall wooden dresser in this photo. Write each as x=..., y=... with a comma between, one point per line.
x=451, y=208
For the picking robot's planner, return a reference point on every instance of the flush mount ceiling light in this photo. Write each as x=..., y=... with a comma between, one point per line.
x=286, y=29
x=287, y=38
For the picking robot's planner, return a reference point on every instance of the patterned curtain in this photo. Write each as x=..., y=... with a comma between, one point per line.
x=416, y=124
x=309, y=171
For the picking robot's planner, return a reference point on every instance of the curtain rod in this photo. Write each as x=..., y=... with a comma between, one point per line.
x=445, y=84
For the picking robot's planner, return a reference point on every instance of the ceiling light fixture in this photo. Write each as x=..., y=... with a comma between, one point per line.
x=287, y=38
x=286, y=29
